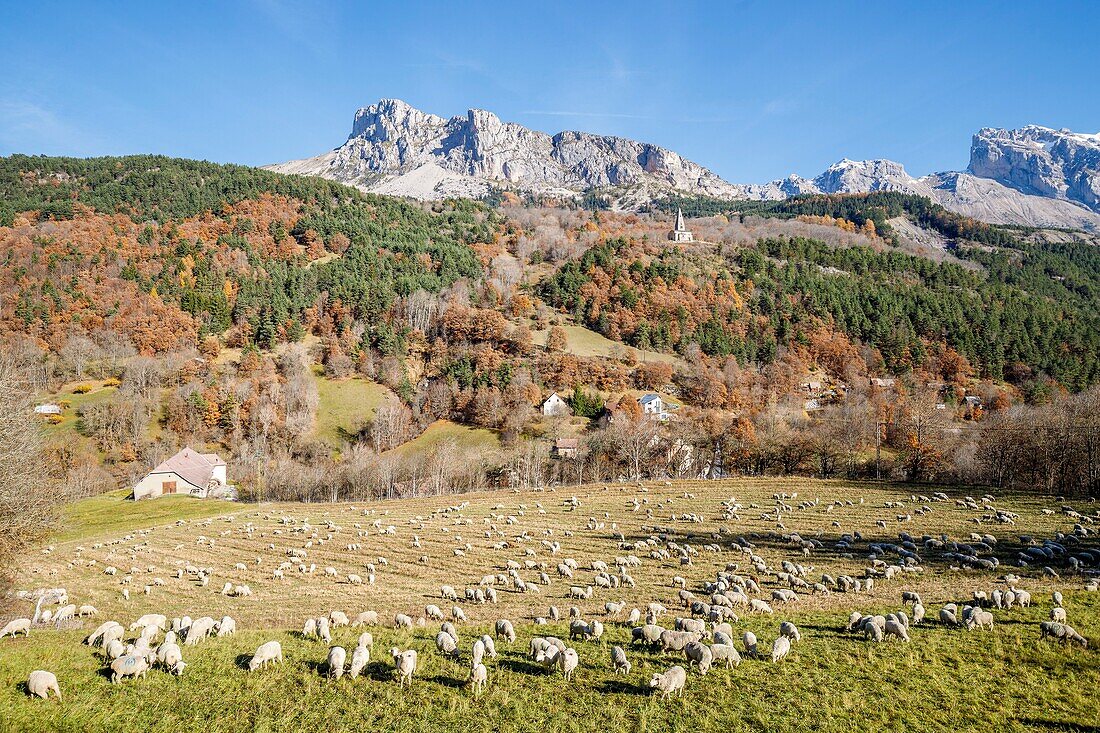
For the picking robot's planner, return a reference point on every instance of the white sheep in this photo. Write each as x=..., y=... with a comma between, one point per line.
x=478, y=677
x=567, y=662
x=168, y=654
x=336, y=658
x=267, y=652
x=129, y=665
x=360, y=657
x=40, y=682
x=790, y=631
x=671, y=682
x=780, y=648
x=619, y=662
x=699, y=654
x=14, y=627
x=226, y=626
x=405, y=664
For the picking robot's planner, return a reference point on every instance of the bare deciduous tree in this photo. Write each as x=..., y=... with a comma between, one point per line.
x=29, y=498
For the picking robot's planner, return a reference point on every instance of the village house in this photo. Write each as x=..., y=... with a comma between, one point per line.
x=651, y=404
x=47, y=409
x=555, y=405
x=566, y=447
x=188, y=472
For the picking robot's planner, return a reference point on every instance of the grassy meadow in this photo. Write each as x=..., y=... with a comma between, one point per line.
x=945, y=678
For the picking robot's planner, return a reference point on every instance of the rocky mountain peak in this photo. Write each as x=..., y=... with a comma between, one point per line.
x=1032, y=175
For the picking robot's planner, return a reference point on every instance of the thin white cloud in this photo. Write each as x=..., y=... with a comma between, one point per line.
x=32, y=128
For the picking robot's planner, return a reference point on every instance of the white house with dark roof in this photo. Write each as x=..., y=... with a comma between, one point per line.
x=188, y=472
x=555, y=405
x=651, y=404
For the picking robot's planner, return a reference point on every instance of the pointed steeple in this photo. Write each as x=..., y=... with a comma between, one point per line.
x=680, y=220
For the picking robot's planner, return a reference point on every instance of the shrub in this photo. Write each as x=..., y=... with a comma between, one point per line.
x=82, y=389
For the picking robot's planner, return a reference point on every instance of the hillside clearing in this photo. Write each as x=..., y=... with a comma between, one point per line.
x=346, y=406
x=585, y=342
x=466, y=439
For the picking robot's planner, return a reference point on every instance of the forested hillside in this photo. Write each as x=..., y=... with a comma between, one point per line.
x=167, y=302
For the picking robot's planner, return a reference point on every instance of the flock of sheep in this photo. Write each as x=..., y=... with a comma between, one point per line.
x=700, y=636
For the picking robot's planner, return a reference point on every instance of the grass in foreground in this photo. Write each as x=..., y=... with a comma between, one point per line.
x=946, y=679
x=943, y=680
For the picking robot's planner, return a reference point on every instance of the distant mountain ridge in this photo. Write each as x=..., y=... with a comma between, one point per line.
x=1033, y=176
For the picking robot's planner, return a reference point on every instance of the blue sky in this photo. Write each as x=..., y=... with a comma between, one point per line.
x=753, y=90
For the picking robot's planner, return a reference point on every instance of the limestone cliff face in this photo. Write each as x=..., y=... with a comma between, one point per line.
x=469, y=154
x=1032, y=176
x=1056, y=164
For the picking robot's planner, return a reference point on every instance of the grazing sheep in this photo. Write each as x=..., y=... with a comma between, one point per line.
x=725, y=653
x=675, y=641
x=360, y=657
x=366, y=618
x=1061, y=632
x=404, y=663
x=168, y=654
x=41, y=682
x=699, y=654
x=113, y=649
x=267, y=652
x=151, y=619
x=478, y=677
x=790, y=631
x=336, y=658
x=338, y=618
x=619, y=662
x=918, y=613
x=895, y=627
x=96, y=637
x=979, y=619
x=1058, y=614
x=749, y=642
x=199, y=630
x=226, y=626
x=88, y=611
x=567, y=662
x=477, y=652
x=402, y=621
x=671, y=682
x=505, y=629
x=433, y=612
x=947, y=615
x=128, y=666
x=647, y=634
x=445, y=644
x=490, y=646
x=14, y=627
x=310, y=627
x=780, y=648
x=758, y=606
